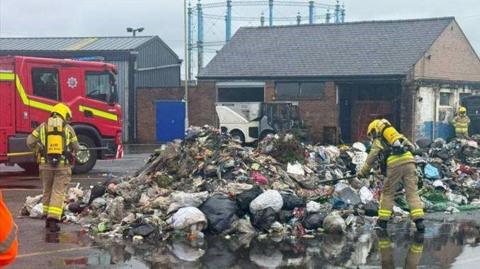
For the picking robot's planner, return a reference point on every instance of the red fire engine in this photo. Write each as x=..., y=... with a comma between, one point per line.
x=29, y=87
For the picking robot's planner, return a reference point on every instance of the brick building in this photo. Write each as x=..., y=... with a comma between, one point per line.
x=413, y=72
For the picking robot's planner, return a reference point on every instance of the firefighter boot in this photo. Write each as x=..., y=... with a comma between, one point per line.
x=381, y=225
x=52, y=225
x=420, y=226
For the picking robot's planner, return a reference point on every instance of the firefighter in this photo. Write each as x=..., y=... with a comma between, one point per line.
x=54, y=142
x=394, y=152
x=8, y=235
x=461, y=122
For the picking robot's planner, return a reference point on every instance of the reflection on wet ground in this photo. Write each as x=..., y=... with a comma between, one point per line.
x=443, y=245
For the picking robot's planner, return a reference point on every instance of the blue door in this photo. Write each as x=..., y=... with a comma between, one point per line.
x=170, y=117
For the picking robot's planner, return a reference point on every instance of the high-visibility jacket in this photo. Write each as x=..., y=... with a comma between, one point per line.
x=461, y=124
x=8, y=235
x=40, y=135
x=392, y=160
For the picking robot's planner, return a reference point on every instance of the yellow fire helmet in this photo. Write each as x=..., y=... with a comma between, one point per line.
x=376, y=127
x=462, y=109
x=63, y=111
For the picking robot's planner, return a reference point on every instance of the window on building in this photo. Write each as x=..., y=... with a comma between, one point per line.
x=45, y=83
x=239, y=94
x=287, y=90
x=445, y=99
x=312, y=89
x=299, y=90
x=99, y=86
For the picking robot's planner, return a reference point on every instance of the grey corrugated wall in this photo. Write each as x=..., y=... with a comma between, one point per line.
x=164, y=77
x=122, y=86
x=156, y=54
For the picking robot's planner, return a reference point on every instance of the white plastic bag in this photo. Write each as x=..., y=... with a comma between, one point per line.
x=186, y=217
x=359, y=146
x=365, y=195
x=313, y=207
x=37, y=211
x=270, y=198
x=295, y=169
x=359, y=158
x=181, y=199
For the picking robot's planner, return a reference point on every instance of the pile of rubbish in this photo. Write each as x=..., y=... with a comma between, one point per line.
x=209, y=183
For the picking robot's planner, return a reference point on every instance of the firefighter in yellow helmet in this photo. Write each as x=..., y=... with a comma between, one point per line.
x=460, y=123
x=54, y=143
x=394, y=152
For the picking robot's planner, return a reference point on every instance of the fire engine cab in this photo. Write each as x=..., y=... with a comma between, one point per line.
x=30, y=87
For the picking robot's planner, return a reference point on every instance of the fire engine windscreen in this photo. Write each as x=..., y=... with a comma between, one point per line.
x=101, y=86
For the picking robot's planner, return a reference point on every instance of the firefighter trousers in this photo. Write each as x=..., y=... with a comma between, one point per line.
x=407, y=174
x=55, y=181
x=462, y=135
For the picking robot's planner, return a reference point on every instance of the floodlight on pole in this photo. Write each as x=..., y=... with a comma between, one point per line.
x=134, y=31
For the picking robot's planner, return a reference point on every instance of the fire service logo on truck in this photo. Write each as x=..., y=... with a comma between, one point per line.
x=72, y=82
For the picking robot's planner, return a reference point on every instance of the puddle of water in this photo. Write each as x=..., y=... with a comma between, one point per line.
x=80, y=238
x=443, y=245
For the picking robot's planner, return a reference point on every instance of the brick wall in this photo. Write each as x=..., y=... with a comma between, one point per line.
x=201, y=109
x=202, y=104
x=146, y=128
x=450, y=58
x=269, y=91
x=407, y=117
x=316, y=114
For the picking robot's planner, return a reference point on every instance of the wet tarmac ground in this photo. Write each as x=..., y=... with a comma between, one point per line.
x=450, y=242
x=446, y=245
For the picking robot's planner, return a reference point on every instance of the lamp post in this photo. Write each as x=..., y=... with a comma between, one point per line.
x=135, y=30
x=186, y=61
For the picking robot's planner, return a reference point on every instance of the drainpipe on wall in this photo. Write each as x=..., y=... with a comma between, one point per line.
x=413, y=89
x=414, y=96
x=435, y=111
x=132, y=111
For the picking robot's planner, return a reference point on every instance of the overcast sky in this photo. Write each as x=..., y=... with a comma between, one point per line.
x=36, y=18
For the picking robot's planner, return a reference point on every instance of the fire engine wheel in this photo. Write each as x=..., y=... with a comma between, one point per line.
x=86, y=159
x=237, y=135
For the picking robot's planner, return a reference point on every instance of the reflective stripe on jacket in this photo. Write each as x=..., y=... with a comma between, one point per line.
x=392, y=161
x=406, y=157
x=40, y=134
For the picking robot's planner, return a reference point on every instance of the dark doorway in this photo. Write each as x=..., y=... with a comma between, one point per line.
x=362, y=102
